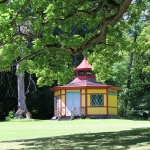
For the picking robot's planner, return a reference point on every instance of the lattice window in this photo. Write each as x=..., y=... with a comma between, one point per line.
x=97, y=100
x=112, y=92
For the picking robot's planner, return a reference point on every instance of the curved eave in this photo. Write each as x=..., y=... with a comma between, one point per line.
x=56, y=88
x=115, y=88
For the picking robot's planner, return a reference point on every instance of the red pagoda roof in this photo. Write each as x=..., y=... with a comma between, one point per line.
x=79, y=83
x=84, y=82
x=84, y=65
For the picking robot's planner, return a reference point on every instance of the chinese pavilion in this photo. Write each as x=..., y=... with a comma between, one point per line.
x=85, y=96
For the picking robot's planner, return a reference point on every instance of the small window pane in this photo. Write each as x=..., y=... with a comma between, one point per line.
x=57, y=101
x=89, y=73
x=97, y=100
x=112, y=92
x=81, y=73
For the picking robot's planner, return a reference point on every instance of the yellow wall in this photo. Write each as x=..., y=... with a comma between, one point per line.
x=83, y=101
x=88, y=100
x=62, y=91
x=63, y=100
x=112, y=101
x=96, y=110
x=112, y=111
x=96, y=91
x=72, y=90
x=105, y=100
x=83, y=91
x=56, y=93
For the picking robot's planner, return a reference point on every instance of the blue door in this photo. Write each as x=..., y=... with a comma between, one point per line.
x=72, y=100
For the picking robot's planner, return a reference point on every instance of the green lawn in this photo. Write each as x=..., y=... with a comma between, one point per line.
x=85, y=134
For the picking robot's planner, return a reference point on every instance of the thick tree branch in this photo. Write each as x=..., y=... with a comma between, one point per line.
x=101, y=37
x=104, y=24
x=121, y=10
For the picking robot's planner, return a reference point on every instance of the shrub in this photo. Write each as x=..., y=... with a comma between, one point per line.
x=10, y=116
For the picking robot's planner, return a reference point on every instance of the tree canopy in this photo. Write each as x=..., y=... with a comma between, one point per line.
x=39, y=34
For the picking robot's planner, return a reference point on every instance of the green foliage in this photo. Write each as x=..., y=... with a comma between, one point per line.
x=27, y=34
x=107, y=60
x=10, y=116
x=137, y=96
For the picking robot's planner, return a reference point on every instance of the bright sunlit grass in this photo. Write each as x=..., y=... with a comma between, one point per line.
x=76, y=134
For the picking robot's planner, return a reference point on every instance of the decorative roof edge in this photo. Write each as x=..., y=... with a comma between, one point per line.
x=56, y=88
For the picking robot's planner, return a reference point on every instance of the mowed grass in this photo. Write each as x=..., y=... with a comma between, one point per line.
x=85, y=134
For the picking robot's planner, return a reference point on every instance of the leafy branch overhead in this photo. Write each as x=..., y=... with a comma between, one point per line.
x=114, y=12
x=41, y=34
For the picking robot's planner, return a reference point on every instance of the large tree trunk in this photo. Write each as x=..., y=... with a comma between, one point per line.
x=22, y=111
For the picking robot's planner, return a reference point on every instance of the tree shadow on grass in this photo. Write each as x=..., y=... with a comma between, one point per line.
x=120, y=140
